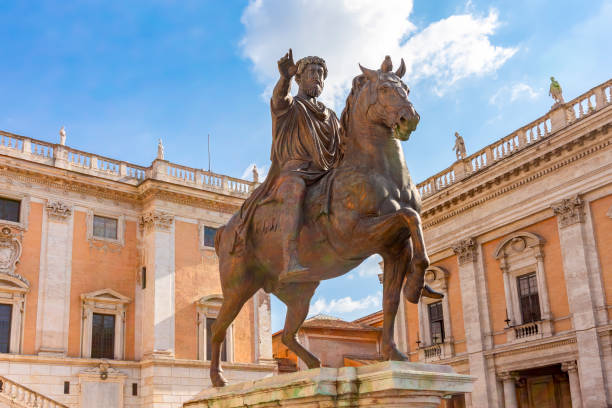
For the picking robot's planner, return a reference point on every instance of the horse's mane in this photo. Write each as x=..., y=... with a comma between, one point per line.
x=345, y=118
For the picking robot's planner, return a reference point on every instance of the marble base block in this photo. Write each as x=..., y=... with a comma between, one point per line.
x=387, y=384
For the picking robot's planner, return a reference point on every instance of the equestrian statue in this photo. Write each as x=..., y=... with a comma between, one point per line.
x=338, y=191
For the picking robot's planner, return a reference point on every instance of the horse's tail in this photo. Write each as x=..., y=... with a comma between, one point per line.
x=218, y=238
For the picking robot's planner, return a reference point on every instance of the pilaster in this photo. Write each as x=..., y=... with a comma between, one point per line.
x=158, y=319
x=55, y=275
x=263, y=327
x=474, y=305
x=571, y=368
x=509, y=380
x=571, y=216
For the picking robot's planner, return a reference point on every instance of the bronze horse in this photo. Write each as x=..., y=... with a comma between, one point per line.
x=366, y=205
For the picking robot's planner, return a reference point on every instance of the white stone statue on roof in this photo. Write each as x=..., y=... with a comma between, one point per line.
x=459, y=147
x=160, y=150
x=62, y=134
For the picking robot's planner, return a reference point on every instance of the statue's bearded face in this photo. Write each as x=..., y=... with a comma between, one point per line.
x=311, y=80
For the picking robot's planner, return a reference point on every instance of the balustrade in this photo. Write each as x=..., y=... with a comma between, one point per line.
x=432, y=352
x=22, y=396
x=526, y=330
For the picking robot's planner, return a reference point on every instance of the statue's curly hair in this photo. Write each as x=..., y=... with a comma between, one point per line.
x=303, y=63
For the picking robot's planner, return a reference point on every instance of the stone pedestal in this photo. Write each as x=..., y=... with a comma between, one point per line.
x=387, y=384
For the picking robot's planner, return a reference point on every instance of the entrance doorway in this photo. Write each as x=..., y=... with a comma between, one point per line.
x=543, y=387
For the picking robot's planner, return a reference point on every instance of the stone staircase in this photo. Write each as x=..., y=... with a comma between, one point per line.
x=16, y=395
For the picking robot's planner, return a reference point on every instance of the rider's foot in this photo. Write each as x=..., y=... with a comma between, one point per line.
x=294, y=272
x=430, y=293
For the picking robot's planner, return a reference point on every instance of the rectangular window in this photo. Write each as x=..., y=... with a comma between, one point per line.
x=104, y=227
x=209, y=236
x=5, y=327
x=528, y=297
x=103, y=336
x=134, y=389
x=209, y=323
x=436, y=322
x=66, y=387
x=9, y=209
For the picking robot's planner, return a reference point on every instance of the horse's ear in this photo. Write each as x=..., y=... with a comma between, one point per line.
x=401, y=70
x=369, y=73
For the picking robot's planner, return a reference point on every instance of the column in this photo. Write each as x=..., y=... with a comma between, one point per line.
x=474, y=323
x=158, y=319
x=263, y=327
x=509, y=380
x=571, y=368
x=570, y=217
x=55, y=274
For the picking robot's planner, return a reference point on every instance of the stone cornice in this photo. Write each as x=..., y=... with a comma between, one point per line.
x=491, y=184
x=65, y=181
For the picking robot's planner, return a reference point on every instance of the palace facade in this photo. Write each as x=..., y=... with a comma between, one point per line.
x=519, y=235
x=109, y=280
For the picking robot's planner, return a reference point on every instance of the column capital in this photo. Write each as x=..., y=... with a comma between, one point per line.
x=58, y=210
x=508, y=376
x=569, y=211
x=158, y=220
x=466, y=250
x=569, y=366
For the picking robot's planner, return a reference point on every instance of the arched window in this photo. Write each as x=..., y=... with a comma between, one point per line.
x=521, y=260
x=208, y=310
x=435, y=332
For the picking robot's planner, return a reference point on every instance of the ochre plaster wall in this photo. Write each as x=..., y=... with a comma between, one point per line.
x=29, y=268
x=555, y=279
x=602, y=224
x=100, y=265
x=197, y=275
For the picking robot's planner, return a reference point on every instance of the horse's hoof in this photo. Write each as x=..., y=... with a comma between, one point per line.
x=430, y=293
x=217, y=379
x=395, y=355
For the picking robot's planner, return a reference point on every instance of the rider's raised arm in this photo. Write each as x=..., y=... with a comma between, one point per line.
x=281, y=98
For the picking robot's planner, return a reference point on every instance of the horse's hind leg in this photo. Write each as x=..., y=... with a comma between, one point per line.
x=393, y=277
x=235, y=296
x=297, y=298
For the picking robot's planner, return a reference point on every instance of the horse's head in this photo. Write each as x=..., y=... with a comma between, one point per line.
x=383, y=98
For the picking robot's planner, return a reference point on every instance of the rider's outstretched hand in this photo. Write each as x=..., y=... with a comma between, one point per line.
x=286, y=67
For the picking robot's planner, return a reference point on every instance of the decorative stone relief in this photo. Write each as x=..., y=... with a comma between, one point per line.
x=465, y=250
x=10, y=252
x=569, y=211
x=58, y=210
x=156, y=220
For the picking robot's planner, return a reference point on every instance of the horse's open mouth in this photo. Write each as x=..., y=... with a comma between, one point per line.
x=404, y=128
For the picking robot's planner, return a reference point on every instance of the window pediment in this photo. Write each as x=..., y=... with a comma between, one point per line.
x=517, y=243
x=106, y=296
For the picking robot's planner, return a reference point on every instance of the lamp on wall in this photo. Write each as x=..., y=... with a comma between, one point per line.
x=507, y=320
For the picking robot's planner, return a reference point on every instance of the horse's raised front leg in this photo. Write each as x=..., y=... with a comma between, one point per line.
x=393, y=278
x=297, y=298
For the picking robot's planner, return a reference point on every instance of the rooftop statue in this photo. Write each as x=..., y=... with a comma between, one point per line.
x=556, y=92
x=338, y=191
x=459, y=147
x=62, y=134
x=160, y=150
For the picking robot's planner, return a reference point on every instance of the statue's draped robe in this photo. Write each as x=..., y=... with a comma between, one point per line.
x=305, y=142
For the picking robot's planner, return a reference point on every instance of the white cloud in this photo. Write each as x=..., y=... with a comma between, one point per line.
x=247, y=174
x=369, y=267
x=351, y=31
x=345, y=305
x=508, y=94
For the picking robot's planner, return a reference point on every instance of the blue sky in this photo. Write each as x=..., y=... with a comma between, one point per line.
x=120, y=75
